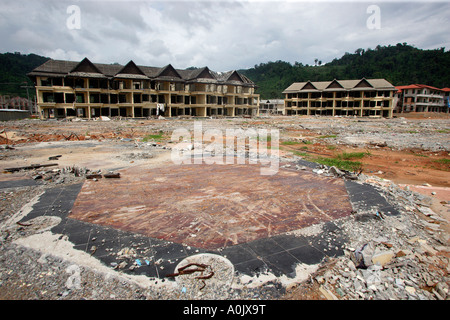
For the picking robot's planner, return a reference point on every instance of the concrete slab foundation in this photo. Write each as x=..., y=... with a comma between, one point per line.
x=144, y=222
x=211, y=206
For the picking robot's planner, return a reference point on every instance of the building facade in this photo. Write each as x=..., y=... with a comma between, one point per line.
x=88, y=90
x=364, y=97
x=421, y=98
x=271, y=106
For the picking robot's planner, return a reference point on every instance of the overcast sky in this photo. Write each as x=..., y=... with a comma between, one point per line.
x=223, y=35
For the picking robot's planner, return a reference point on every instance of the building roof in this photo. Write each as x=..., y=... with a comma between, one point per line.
x=86, y=68
x=275, y=101
x=417, y=86
x=340, y=85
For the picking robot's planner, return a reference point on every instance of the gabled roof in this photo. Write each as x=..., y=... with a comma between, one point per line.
x=168, y=72
x=275, y=101
x=363, y=84
x=131, y=70
x=53, y=67
x=204, y=74
x=86, y=68
x=234, y=76
x=334, y=85
x=418, y=86
x=411, y=86
x=380, y=84
x=309, y=86
x=353, y=85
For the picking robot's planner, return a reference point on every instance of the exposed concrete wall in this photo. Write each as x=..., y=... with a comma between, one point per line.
x=12, y=114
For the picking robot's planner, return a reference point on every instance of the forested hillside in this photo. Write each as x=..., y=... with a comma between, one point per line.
x=401, y=64
x=13, y=72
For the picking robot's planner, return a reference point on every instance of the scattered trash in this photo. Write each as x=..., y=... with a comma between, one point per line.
x=379, y=215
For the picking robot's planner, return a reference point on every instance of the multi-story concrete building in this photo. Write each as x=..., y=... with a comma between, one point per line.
x=86, y=89
x=364, y=97
x=420, y=98
x=271, y=106
x=446, y=99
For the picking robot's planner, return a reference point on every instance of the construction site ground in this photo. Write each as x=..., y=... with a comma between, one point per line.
x=358, y=209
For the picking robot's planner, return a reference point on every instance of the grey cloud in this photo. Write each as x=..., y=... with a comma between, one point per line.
x=221, y=34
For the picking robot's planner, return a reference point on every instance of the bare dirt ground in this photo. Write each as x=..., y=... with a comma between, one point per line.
x=411, y=151
x=408, y=165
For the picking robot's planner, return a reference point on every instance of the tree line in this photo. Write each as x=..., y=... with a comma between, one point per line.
x=13, y=73
x=400, y=64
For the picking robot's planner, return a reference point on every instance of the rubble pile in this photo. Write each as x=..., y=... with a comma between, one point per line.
x=402, y=257
x=399, y=257
x=58, y=176
x=397, y=133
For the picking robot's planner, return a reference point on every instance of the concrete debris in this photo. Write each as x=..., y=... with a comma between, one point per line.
x=402, y=258
x=30, y=167
x=383, y=257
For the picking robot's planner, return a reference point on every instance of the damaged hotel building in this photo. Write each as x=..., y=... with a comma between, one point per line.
x=86, y=89
x=364, y=97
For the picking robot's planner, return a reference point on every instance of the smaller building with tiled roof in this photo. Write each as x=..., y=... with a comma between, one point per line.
x=421, y=98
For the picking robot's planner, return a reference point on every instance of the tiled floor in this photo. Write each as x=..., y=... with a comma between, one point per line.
x=211, y=206
x=278, y=253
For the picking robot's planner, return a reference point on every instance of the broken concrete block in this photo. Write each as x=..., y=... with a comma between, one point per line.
x=432, y=226
x=372, y=275
x=410, y=290
x=336, y=172
x=426, y=211
x=383, y=258
x=318, y=171
x=415, y=239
